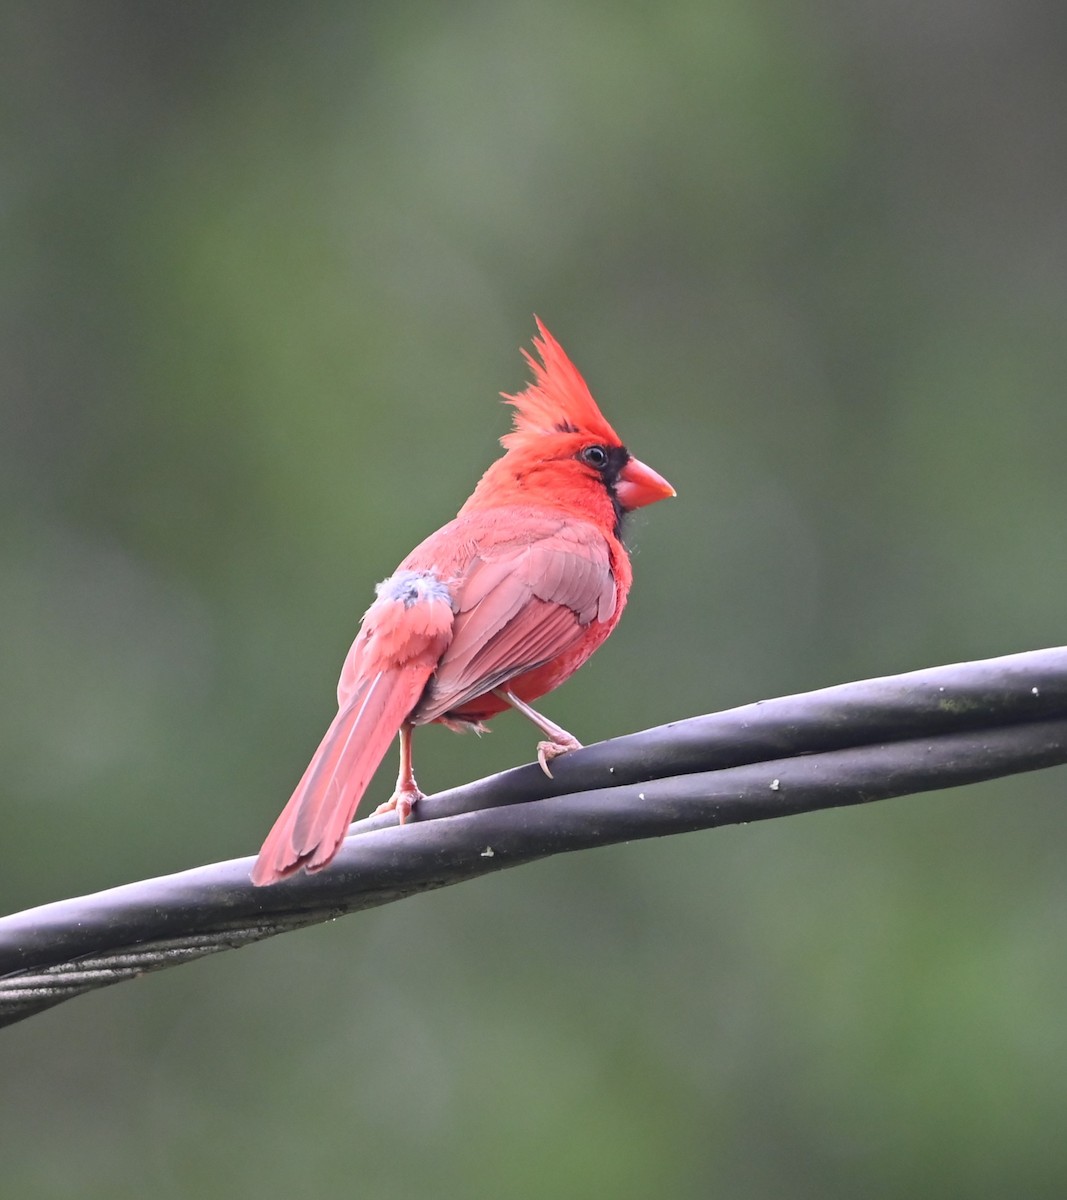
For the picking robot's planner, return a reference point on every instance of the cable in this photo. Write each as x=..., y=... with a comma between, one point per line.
x=844, y=745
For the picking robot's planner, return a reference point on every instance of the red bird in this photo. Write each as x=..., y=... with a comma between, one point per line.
x=490, y=612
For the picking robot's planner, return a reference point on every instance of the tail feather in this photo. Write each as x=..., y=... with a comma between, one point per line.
x=313, y=824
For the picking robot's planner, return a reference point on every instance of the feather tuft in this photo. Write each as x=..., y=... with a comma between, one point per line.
x=557, y=401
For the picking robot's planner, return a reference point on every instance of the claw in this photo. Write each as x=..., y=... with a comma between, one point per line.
x=400, y=802
x=559, y=740
x=546, y=751
x=406, y=794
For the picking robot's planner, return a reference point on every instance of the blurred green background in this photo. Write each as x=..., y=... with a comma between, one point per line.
x=265, y=269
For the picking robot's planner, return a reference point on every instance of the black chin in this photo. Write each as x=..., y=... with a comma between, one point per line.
x=620, y=514
x=618, y=457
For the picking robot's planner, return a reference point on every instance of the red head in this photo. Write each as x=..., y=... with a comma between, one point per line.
x=562, y=451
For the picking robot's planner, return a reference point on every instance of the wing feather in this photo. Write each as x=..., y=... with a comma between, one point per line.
x=518, y=606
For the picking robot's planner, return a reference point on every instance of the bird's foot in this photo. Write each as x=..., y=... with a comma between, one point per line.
x=562, y=743
x=402, y=801
x=558, y=740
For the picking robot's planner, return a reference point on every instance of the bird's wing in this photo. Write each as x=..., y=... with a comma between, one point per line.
x=520, y=603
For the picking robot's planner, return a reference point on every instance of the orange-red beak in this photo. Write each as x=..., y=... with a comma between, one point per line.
x=639, y=485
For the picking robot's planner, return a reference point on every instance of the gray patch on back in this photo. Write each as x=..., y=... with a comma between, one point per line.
x=412, y=587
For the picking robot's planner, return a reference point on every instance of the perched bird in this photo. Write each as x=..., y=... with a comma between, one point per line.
x=492, y=611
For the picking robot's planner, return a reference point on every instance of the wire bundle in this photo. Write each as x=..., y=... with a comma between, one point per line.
x=844, y=745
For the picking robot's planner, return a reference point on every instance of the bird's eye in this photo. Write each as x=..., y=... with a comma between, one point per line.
x=595, y=457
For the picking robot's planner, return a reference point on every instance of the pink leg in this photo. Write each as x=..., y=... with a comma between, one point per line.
x=559, y=740
x=407, y=793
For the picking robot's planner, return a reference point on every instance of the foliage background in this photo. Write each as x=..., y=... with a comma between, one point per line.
x=265, y=268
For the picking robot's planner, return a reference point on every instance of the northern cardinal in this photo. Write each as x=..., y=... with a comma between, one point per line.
x=492, y=611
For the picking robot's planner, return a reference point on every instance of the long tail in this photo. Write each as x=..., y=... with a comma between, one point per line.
x=313, y=824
